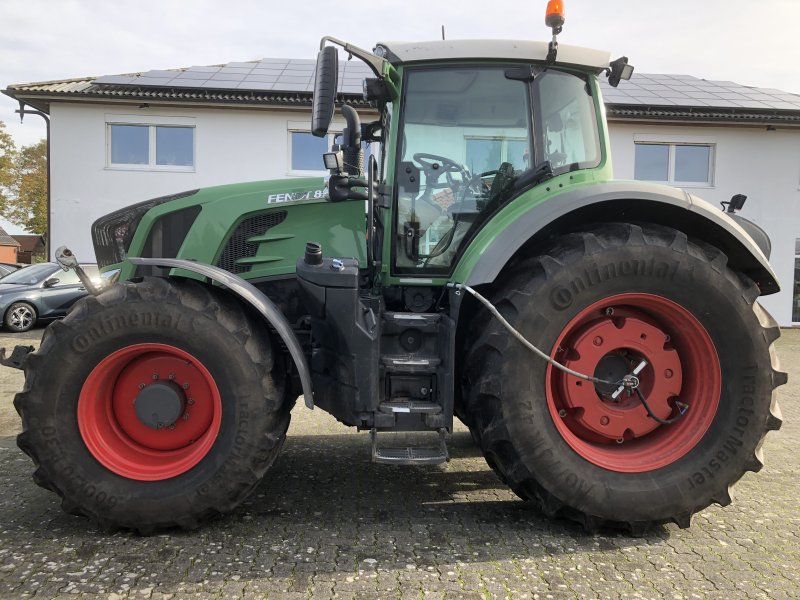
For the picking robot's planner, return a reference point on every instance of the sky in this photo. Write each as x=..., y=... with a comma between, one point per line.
x=753, y=42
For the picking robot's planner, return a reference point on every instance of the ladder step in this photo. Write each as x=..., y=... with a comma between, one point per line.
x=410, y=455
x=410, y=406
x=406, y=364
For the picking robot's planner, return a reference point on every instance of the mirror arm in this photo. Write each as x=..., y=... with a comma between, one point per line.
x=374, y=62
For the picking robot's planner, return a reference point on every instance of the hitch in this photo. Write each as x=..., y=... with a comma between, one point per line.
x=17, y=358
x=67, y=260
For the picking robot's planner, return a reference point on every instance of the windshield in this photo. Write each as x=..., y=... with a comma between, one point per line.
x=30, y=275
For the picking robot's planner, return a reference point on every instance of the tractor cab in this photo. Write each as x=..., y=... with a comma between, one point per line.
x=480, y=123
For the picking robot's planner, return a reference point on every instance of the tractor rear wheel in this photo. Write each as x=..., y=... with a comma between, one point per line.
x=155, y=404
x=603, y=301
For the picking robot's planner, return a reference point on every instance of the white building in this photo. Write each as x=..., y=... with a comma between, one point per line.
x=117, y=140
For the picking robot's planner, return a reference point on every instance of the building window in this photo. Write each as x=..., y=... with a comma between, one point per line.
x=151, y=146
x=306, y=150
x=484, y=154
x=688, y=165
x=796, y=299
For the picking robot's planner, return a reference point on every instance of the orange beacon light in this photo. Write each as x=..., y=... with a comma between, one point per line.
x=554, y=17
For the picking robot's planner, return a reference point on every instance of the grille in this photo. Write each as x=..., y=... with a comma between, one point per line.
x=112, y=233
x=238, y=246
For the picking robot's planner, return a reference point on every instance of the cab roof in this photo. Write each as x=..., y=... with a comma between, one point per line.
x=440, y=50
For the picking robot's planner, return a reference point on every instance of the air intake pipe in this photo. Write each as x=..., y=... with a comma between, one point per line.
x=352, y=154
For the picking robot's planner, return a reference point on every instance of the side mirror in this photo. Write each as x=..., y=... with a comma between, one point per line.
x=48, y=283
x=325, y=84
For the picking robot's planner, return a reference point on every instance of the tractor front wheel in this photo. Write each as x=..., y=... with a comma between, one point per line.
x=155, y=404
x=604, y=302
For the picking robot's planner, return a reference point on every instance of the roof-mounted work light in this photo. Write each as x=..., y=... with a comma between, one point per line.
x=554, y=19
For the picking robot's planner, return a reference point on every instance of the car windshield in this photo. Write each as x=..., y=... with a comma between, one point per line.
x=30, y=275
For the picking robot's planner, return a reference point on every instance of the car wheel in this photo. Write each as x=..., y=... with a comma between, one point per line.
x=20, y=316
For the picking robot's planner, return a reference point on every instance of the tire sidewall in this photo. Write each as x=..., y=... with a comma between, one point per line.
x=704, y=472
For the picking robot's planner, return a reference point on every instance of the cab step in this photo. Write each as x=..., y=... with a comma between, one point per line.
x=410, y=406
x=410, y=455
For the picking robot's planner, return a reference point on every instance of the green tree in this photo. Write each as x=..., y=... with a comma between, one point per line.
x=23, y=183
x=8, y=152
x=27, y=206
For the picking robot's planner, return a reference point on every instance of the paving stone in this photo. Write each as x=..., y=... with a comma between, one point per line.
x=327, y=523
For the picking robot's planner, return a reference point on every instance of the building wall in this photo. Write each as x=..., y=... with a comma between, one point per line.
x=233, y=145
x=8, y=254
x=763, y=165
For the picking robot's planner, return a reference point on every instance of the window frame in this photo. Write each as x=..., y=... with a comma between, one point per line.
x=671, y=150
x=152, y=123
x=290, y=170
x=796, y=282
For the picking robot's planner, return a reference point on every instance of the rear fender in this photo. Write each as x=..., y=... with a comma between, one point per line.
x=255, y=298
x=632, y=201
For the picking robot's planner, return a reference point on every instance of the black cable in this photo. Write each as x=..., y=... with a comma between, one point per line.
x=682, y=408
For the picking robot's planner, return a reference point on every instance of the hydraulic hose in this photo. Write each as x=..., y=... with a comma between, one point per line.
x=629, y=382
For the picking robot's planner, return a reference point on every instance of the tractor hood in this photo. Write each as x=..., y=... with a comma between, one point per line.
x=255, y=229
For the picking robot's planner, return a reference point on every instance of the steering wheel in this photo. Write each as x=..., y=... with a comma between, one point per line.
x=430, y=162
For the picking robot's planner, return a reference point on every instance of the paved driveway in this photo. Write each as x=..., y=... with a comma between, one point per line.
x=326, y=522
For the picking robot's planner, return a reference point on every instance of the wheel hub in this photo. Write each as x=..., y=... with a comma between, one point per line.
x=149, y=411
x=612, y=348
x=651, y=345
x=160, y=404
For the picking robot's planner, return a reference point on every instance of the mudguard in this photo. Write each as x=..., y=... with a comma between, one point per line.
x=631, y=200
x=253, y=296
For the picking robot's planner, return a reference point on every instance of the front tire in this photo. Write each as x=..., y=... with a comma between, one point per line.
x=153, y=405
x=601, y=301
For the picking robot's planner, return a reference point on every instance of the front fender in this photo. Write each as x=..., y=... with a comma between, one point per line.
x=614, y=201
x=253, y=296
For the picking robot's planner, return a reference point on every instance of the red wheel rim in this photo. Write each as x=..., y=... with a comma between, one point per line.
x=123, y=443
x=683, y=366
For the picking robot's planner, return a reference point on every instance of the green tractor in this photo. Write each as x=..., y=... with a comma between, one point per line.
x=601, y=339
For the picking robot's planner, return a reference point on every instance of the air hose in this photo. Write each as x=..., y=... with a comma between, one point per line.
x=629, y=382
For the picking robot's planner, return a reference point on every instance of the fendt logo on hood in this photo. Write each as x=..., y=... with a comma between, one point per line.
x=295, y=196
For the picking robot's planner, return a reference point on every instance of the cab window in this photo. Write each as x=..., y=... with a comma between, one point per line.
x=467, y=132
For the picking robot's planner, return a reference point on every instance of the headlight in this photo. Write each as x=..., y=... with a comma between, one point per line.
x=113, y=233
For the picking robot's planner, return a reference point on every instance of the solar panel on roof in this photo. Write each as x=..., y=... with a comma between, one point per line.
x=297, y=75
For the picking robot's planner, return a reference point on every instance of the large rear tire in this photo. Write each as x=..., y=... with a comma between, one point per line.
x=155, y=404
x=602, y=301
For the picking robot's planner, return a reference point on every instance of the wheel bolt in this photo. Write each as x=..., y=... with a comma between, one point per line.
x=562, y=413
x=668, y=373
x=186, y=416
x=190, y=401
x=603, y=420
x=609, y=311
x=598, y=341
x=155, y=376
x=172, y=426
x=172, y=375
x=141, y=386
x=186, y=386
